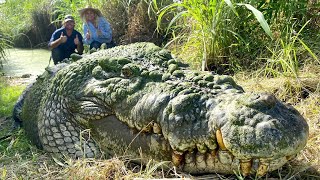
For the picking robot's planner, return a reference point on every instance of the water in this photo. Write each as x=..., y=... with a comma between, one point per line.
x=26, y=61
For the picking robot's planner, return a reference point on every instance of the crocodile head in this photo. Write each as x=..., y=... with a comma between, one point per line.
x=140, y=101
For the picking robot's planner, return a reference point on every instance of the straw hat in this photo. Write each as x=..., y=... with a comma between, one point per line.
x=84, y=10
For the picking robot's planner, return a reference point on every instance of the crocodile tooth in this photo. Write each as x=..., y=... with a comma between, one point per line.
x=245, y=166
x=262, y=169
x=201, y=161
x=220, y=140
x=156, y=128
x=202, y=148
x=177, y=158
x=225, y=157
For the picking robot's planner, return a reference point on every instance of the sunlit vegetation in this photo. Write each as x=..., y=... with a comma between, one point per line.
x=8, y=96
x=5, y=43
x=226, y=38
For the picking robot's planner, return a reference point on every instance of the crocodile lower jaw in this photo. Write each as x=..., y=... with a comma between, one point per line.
x=223, y=162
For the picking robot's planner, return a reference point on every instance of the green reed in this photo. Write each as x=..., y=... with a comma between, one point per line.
x=207, y=28
x=284, y=59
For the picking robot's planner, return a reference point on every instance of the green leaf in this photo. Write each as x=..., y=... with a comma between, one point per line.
x=175, y=18
x=231, y=6
x=309, y=50
x=259, y=16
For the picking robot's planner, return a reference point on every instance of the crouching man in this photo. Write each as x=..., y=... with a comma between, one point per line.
x=65, y=41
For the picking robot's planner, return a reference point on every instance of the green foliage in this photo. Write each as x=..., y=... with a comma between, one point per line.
x=281, y=16
x=19, y=19
x=19, y=144
x=284, y=59
x=4, y=44
x=64, y=7
x=207, y=27
x=8, y=97
x=225, y=37
x=219, y=35
x=16, y=14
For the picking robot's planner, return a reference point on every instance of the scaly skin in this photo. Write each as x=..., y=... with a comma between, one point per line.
x=138, y=100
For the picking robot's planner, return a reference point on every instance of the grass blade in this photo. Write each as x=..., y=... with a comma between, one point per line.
x=259, y=16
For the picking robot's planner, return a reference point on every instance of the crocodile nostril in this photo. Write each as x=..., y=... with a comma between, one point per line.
x=268, y=99
x=261, y=101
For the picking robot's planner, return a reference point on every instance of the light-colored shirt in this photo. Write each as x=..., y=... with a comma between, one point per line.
x=103, y=26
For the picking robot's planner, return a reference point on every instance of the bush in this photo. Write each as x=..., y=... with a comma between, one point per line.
x=4, y=44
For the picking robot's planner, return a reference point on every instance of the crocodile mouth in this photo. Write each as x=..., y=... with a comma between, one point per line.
x=116, y=138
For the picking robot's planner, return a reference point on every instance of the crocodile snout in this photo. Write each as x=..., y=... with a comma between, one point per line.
x=258, y=127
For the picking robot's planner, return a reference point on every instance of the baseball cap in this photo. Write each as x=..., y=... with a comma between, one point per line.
x=68, y=18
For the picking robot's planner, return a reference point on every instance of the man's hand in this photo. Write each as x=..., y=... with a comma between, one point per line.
x=76, y=40
x=63, y=38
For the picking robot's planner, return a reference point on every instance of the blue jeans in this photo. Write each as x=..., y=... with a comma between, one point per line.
x=96, y=44
x=57, y=55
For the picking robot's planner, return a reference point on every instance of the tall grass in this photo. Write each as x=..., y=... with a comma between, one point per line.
x=291, y=22
x=284, y=59
x=20, y=20
x=207, y=27
x=225, y=37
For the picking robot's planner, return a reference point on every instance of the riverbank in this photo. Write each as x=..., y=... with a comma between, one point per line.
x=25, y=62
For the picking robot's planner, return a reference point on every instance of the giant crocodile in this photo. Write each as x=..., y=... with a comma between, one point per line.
x=139, y=100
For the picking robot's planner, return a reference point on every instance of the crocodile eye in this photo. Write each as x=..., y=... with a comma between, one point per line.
x=126, y=71
x=130, y=70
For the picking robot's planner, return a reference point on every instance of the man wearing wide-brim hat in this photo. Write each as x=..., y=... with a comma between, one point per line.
x=96, y=28
x=65, y=41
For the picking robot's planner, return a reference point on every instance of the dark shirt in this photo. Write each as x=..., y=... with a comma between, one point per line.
x=68, y=47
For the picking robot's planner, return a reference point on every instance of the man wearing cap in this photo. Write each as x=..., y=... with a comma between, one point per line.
x=65, y=41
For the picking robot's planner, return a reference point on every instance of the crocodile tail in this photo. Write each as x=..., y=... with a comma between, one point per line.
x=17, y=109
